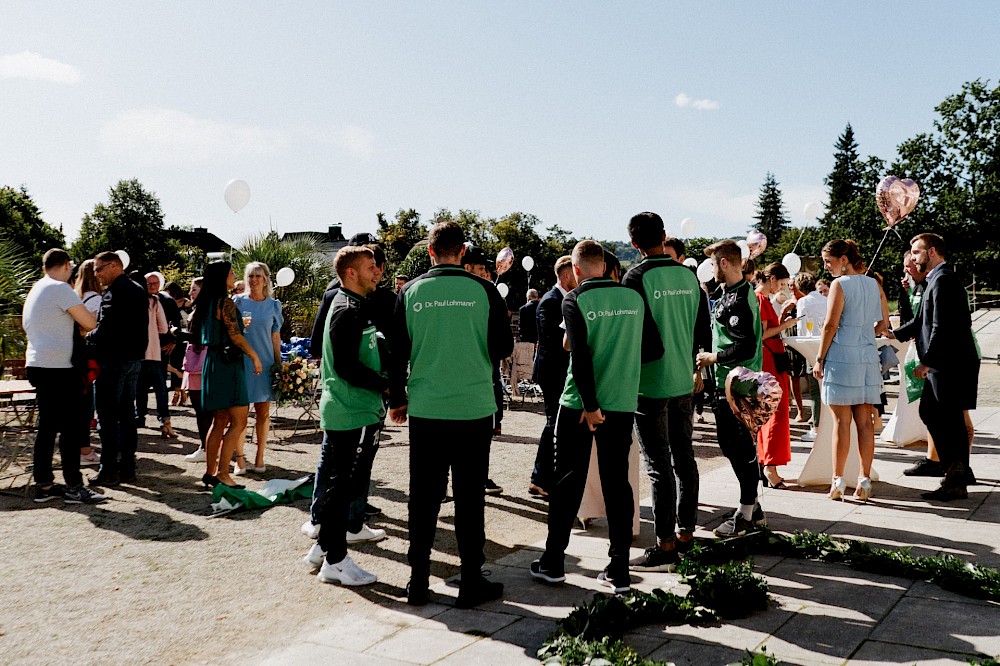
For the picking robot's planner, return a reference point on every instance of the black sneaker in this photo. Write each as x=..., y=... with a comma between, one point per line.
x=417, y=594
x=757, y=518
x=127, y=477
x=656, y=559
x=925, y=467
x=477, y=591
x=43, y=495
x=81, y=495
x=104, y=479
x=492, y=488
x=372, y=511
x=546, y=574
x=735, y=526
x=620, y=582
x=970, y=478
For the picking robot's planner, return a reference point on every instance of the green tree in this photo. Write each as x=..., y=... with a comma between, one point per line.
x=397, y=238
x=131, y=220
x=21, y=223
x=17, y=274
x=309, y=257
x=772, y=220
x=845, y=182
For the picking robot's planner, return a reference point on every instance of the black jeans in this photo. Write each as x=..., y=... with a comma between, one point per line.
x=152, y=374
x=572, y=459
x=115, y=391
x=358, y=502
x=437, y=445
x=542, y=471
x=345, y=466
x=945, y=421
x=201, y=417
x=739, y=446
x=664, y=427
x=59, y=392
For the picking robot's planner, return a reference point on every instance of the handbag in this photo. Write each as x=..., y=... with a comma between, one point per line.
x=782, y=364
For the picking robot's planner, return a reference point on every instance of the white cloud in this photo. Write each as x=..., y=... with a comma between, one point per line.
x=683, y=100
x=171, y=136
x=716, y=202
x=356, y=141
x=36, y=67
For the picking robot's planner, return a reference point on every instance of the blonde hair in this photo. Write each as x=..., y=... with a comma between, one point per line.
x=86, y=279
x=259, y=268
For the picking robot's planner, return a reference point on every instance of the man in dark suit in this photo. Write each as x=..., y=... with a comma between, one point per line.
x=949, y=362
x=551, y=365
x=527, y=329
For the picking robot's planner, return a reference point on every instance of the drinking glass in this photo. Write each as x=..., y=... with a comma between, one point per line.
x=247, y=318
x=809, y=327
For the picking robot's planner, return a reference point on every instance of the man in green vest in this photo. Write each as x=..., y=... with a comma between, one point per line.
x=736, y=339
x=604, y=328
x=451, y=329
x=675, y=309
x=351, y=413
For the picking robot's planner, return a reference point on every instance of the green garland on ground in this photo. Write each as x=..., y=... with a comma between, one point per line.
x=723, y=584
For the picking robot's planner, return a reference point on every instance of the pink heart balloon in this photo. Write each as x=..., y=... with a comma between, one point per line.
x=505, y=259
x=896, y=198
x=757, y=242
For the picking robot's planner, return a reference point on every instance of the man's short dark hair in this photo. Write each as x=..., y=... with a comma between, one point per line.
x=725, y=249
x=646, y=230
x=378, y=252
x=404, y=278
x=446, y=239
x=611, y=264
x=109, y=256
x=676, y=244
x=930, y=241
x=55, y=258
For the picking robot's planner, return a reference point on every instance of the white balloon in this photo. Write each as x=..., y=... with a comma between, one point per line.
x=687, y=227
x=284, y=277
x=528, y=263
x=706, y=270
x=744, y=249
x=123, y=255
x=812, y=210
x=503, y=288
x=237, y=194
x=691, y=262
x=792, y=262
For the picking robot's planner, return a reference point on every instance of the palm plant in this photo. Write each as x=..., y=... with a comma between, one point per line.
x=312, y=260
x=16, y=277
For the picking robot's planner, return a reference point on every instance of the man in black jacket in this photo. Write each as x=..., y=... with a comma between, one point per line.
x=551, y=364
x=949, y=362
x=120, y=339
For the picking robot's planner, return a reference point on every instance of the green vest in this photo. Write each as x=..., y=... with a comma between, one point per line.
x=732, y=309
x=613, y=318
x=673, y=296
x=343, y=406
x=451, y=375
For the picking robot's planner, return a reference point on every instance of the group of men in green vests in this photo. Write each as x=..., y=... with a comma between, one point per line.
x=636, y=350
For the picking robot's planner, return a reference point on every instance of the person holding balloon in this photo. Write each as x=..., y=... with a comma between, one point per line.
x=848, y=361
x=262, y=320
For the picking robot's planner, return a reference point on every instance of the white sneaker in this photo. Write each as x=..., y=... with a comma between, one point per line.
x=310, y=530
x=197, y=456
x=315, y=557
x=365, y=535
x=345, y=572
x=809, y=436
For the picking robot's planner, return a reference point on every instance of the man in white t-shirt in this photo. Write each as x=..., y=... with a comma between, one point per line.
x=811, y=308
x=51, y=314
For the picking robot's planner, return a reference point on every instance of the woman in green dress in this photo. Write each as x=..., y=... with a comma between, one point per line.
x=217, y=324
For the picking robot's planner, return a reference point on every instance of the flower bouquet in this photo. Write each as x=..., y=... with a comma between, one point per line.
x=753, y=396
x=293, y=380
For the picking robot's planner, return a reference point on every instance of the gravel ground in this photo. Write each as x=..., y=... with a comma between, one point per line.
x=148, y=577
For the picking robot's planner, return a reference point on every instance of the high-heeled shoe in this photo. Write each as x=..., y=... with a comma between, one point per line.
x=864, y=490
x=167, y=431
x=234, y=486
x=838, y=488
x=210, y=481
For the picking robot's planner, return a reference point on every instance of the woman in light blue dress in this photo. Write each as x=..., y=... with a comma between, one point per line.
x=262, y=320
x=848, y=362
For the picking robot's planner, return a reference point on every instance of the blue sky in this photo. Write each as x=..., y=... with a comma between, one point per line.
x=581, y=113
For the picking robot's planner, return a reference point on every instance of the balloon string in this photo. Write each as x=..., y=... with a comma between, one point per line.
x=884, y=236
x=796, y=246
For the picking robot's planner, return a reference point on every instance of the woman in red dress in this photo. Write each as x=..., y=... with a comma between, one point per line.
x=774, y=445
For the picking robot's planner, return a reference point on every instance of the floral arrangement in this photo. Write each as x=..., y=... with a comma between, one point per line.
x=293, y=380
x=753, y=396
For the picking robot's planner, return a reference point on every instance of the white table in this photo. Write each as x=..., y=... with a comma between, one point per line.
x=818, y=470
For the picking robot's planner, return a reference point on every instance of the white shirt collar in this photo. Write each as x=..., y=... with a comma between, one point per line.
x=561, y=290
